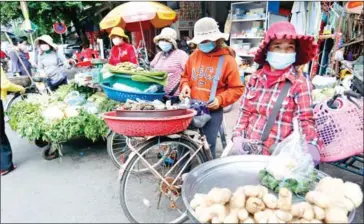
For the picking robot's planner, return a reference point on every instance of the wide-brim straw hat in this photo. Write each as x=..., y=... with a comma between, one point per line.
x=167, y=34
x=207, y=29
x=306, y=48
x=118, y=31
x=47, y=39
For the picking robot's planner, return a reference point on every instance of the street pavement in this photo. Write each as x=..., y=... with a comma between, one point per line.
x=81, y=187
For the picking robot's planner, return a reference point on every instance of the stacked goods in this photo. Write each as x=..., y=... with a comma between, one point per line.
x=61, y=116
x=330, y=202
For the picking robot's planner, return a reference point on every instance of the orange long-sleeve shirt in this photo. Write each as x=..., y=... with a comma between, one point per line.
x=200, y=70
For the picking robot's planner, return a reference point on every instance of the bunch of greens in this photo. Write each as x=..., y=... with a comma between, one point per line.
x=27, y=118
x=297, y=187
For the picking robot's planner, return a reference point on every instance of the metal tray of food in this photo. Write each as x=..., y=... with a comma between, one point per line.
x=151, y=113
x=229, y=172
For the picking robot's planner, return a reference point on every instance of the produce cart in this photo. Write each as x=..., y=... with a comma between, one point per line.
x=71, y=112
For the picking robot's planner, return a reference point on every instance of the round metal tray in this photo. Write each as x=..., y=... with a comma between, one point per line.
x=229, y=172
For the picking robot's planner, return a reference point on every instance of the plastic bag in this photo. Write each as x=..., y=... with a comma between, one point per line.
x=74, y=99
x=91, y=108
x=290, y=165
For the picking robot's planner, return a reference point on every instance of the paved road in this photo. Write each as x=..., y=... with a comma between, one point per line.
x=82, y=187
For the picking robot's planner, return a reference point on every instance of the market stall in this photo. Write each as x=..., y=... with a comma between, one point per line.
x=72, y=111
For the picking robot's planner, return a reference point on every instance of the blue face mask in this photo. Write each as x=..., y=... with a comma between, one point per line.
x=207, y=47
x=165, y=46
x=280, y=61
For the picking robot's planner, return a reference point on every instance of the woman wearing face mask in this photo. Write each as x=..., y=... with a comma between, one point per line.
x=18, y=55
x=122, y=51
x=279, y=53
x=212, y=60
x=170, y=60
x=51, y=62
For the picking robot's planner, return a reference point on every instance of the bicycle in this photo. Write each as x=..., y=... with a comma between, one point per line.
x=118, y=150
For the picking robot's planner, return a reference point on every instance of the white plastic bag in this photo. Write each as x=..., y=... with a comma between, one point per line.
x=290, y=164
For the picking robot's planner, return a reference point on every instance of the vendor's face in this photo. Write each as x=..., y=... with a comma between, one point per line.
x=23, y=46
x=117, y=40
x=282, y=46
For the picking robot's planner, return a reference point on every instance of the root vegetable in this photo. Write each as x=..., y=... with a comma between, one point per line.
x=219, y=195
x=336, y=215
x=316, y=221
x=202, y=214
x=255, y=191
x=283, y=215
x=238, y=199
x=217, y=210
x=319, y=212
x=318, y=198
x=262, y=191
x=243, y=214
x=270, y=200
x=200, y=199
x=215, y=220
x=254, y=205
x=232, y=217
x=251, y=191
x=284, y=199
x=353, y=192
x=262, y=216
x=249, y=220
x=303, y=210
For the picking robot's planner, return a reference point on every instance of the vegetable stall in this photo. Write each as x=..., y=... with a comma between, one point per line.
x=70, y=112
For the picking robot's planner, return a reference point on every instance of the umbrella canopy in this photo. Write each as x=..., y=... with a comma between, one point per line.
x=134, y=15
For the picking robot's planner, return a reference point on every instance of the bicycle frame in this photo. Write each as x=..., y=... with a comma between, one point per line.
x=197, y=139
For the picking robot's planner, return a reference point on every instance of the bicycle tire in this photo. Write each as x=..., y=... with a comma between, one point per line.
x=149, y=144
x=110, y=150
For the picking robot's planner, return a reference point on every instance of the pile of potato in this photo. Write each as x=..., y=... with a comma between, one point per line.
x=254, y=204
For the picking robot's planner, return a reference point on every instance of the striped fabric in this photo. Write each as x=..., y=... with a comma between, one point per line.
x=173, y=64
x=258, y=101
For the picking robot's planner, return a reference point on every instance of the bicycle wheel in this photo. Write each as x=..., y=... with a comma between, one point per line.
x=16, y=98
x=117, y=149
x=145, y=197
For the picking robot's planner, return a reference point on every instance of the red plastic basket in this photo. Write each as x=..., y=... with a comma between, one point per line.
x=148, y=126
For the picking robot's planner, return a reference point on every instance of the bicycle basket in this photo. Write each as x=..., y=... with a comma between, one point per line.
x=149, y=125
x=340, y=129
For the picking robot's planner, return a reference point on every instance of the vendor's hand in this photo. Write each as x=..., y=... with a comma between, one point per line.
x=214, y=105
x=71, y=61
x=185, y=92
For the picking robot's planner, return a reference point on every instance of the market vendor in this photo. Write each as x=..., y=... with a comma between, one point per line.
x=211, y=59
x=6, y=153
x=19, y=57
x=51, y=62
x=122, y=51
x=170, y=59
x=279, y=54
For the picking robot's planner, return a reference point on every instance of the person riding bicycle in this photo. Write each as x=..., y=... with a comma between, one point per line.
x=50, y=61
x=280, y=52
x=170, y=59
x=122, y=51
x=212, y=59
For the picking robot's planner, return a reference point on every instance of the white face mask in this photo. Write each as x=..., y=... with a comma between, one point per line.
x=45, y=47
x=117, y=41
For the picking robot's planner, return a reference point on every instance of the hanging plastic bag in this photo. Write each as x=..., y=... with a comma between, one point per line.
x=290, y=165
